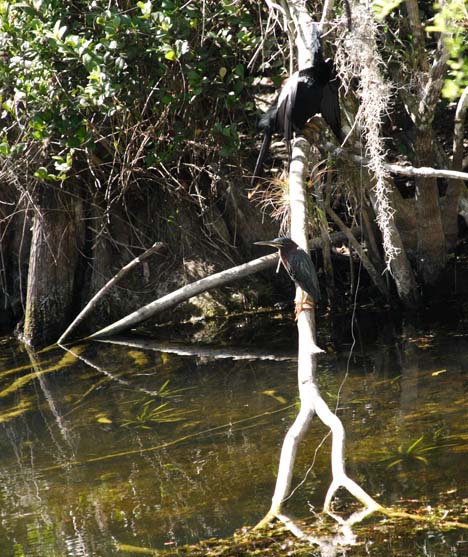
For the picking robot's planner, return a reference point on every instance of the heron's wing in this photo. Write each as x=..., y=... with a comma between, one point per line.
x=312, y=286
x=302, y=271
x=308, y=280
x=330, y=105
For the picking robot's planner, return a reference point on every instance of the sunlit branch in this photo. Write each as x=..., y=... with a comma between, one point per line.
x=95, y=299
x=402, y=170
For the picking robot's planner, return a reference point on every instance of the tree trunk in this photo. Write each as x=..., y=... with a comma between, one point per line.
x=455, y=187
x=15, y=240
x=400, y=266
x=5, y=307
x=57, y=237
x=431, y=248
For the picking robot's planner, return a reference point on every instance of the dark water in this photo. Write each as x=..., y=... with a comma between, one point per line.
x=124, y=444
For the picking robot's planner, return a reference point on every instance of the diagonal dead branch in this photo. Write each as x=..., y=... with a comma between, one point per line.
x=94, y=300
x=186, y=292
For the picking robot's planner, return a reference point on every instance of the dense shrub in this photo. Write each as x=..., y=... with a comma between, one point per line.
x=125, y=86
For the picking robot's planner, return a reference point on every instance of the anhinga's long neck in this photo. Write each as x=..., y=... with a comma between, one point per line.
x=316, y=46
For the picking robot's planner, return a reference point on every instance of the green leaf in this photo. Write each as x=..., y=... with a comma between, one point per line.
x=43, y=174
x=383, y=8
x=395, y=463
x=59, y=30
x=145, y=7
x=414, y=444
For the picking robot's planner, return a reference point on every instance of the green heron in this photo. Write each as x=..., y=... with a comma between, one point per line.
x=299, y=266
x=307, y=92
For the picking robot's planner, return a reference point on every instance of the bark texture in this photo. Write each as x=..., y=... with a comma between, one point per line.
x=57, y=237
x=431, y=248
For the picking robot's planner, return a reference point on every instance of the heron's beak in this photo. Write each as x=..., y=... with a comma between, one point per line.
x=270, y=243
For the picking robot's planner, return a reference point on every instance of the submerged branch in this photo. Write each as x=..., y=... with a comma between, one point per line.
x=142, y=450
x=200, y=351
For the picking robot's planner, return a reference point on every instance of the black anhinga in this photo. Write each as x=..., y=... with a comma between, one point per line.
x=299, y=266
x=306, y=93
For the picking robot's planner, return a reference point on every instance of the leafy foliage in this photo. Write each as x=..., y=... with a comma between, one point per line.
x=451, y=18
x=153, y=413
x=123, y=84
x=447, y=17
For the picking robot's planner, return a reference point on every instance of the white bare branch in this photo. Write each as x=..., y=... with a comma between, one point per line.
x=310, y=398
x=403, y=170
x=95, y=299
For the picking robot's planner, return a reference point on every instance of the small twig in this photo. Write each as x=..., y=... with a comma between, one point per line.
x=93, y=302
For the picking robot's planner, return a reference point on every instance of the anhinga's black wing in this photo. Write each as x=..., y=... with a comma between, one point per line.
x=261, y=157
x=286, y=105
x=330, y=105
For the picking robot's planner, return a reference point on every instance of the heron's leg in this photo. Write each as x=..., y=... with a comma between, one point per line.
x=305, y=303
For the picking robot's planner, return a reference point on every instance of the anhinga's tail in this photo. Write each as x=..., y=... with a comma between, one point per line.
x=267, y=123
x=261, y=157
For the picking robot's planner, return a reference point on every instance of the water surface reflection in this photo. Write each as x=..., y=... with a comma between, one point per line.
x=143, y=444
